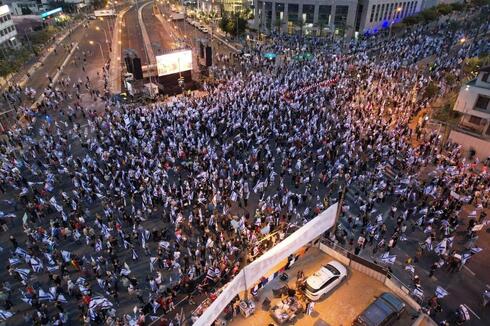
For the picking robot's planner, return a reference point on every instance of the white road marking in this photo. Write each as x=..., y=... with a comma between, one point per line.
x=474, y=313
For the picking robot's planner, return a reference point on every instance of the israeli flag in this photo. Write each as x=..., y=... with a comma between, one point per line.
x=26, y=299
x=155, y=305
x=101, y=283
x=49, y=258
x=52, y=268
x=135, y=255
x=36, y=264
x=66, y=255
x=22, y=253
x=465, y=258
x=4, y=315
x=23, y=273
x=45, y=296
x=417, y=292
x=14, y=261
x=153, y=260
x=98, y=246
x=440, y=292
x=387, y=259
x=106, y=231
x=441, y=247
x=61, y=298
x=476, y=250
x=410, y=268
x=55, y=204
x=125, y=270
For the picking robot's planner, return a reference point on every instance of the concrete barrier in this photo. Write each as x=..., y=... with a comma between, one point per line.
x=335, y=254
x=424, y=320
x=467, y=141
x=403, y=292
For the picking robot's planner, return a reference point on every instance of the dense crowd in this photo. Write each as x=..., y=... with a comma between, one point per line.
x=142, y=204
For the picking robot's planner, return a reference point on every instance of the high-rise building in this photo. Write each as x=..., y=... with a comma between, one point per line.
x=8, y=32
x=339, y=17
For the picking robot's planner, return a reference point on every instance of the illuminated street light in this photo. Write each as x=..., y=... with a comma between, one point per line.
x=100, y=47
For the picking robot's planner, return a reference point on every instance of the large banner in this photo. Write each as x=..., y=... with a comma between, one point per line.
x=252, y=273
x=172, y=63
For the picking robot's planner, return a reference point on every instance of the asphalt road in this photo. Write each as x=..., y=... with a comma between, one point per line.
x=464, y=287
x=131, y=34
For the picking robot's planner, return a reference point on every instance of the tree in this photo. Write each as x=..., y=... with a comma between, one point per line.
x=412, y=20
x=234, y=25
x=431, y=90
x=444, y=9
x=223, y=23
x=429, y=15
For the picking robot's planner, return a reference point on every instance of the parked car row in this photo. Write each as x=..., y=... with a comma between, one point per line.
x=383, y=311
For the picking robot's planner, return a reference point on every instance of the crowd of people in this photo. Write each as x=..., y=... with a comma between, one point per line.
x=140, y=205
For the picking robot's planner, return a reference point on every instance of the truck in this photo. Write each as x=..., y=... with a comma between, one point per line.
x=104, y=13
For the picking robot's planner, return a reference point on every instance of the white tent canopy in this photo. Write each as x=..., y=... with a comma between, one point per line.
x=252, y=273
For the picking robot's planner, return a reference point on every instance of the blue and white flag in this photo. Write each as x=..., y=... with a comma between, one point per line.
x=98, y=246
x=98, y=303
x=417, y=292
x=135, y=255
x=465, y=257
x=61, y=298
x=441, y=247
x=153, y=260
x=410, y=268
x=66, y=255
x=106, y=231
x=476, y=250
x=440, y=292
x=52, y=268
x=23, y=273
x=36, y=264
x=26, y=299
x=101, y=283
x=14, y=261
x=4, y=315
x=55, y=204
x=22, y=253
x=125, y=270
x=49, y=258
x=388, y=259
x=45, y=296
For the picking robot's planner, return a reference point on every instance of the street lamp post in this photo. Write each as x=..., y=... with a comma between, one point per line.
x=398, y=10
x=105, y=35
x=100, y=47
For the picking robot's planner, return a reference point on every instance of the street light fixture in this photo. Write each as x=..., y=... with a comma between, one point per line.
x=100, y=47
x=398, y=10
x=97, y=28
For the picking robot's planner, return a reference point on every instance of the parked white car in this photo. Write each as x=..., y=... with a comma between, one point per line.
x=325, y=280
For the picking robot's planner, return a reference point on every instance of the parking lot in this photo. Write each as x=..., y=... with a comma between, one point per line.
x=341, y=307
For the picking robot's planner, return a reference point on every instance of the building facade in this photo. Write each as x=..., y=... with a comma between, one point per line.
x=474, y=103
x=219, y=6
x=339, y=17
x=8, y=33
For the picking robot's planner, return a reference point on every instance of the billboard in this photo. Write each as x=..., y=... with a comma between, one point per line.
x=174, y=62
